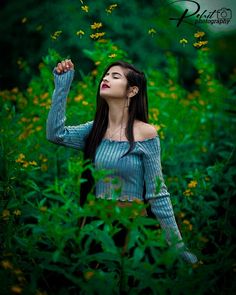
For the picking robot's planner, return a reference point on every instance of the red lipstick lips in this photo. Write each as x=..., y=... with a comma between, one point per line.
x=104, y=85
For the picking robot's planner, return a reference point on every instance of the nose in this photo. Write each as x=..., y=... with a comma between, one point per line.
x=105, y=79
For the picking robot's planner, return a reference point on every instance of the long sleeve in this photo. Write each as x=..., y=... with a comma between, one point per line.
x=56, y=131
x=159, y=198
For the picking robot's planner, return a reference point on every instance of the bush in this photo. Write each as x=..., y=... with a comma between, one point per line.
x=45, y=250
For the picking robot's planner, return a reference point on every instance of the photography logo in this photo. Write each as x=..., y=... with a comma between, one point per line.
x=217, y=16
x=220, y=16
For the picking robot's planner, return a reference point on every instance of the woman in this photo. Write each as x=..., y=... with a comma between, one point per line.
x=118, y=139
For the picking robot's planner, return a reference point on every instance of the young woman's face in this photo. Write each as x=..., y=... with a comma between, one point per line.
x=114, y=84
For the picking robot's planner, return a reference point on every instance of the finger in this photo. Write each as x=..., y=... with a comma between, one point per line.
x=59, y=68
x=67, y=64
x=71, y=64
x=63, y=63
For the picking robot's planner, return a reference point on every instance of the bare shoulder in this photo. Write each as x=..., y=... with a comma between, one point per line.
x=144, y=130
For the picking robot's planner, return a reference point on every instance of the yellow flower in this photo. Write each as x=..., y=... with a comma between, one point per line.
x=80, y=33
x=88, y=275
x=197, y=264
x=158, y=127
x=38, y=128
x=211, y=90
x=17, y=212
x=192, y=183
x=183, y=41
x=161, y=134
x=199, y=34
x=55, y=35
x=16, y=289
x=95, y=26
x=189, y=225
x=44, y=95
x=200, y=44
x=84, y=102
x=173, y=88
x=94, y=72
x=44, y=167
x=32, y=163
x=43, y=209
x=102, y=40
x=24, y=119
x=42, y=158
x=20, y=158
x=35, y=119
x=188, y=193
x=201, y=102
x=111, y=8
x=112, y=55
x=97, y=35
x=15, y=90
x=181, y=214
x=78, y=97
x=173, y=95
x=97, y=63
x=24, y=20
x=152, y=31
x=25, y=164
x=85, y=8
x=6, y=264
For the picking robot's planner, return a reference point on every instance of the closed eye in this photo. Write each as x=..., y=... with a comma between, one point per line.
x=114, y=75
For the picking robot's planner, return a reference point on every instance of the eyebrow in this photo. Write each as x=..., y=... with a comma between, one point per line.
x=114, y=73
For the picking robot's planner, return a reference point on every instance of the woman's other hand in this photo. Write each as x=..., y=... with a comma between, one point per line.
x=64, y=66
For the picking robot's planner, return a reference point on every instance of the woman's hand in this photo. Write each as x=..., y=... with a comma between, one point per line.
x=64, y=66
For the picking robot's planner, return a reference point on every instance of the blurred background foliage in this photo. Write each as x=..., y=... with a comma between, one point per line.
x=29, y=28
x=191, y=87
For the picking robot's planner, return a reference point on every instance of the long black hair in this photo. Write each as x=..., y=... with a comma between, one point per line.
x=138, y=109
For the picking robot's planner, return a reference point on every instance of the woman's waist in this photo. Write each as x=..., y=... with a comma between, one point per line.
x=136, y=205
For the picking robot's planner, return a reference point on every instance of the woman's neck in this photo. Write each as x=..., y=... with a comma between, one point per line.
x=117, y=117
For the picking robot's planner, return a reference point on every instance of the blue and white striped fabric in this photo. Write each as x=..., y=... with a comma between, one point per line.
x=126, y=177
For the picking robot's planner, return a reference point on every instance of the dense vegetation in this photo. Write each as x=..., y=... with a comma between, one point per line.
x=44, y=250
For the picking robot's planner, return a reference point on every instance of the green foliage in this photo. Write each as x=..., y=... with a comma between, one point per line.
x=142, y=27
x=44, y=247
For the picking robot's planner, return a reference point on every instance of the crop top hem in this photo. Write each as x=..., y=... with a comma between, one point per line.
x=125, y=198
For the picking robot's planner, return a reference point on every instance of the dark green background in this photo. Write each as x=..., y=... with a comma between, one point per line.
x=127, y=26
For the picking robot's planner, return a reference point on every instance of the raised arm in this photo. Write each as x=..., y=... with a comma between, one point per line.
x=159, y=198
x=56, y=131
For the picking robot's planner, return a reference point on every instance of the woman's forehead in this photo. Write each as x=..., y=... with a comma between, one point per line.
x=116, y=69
